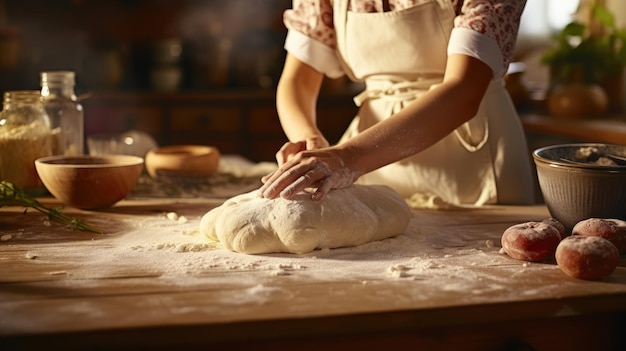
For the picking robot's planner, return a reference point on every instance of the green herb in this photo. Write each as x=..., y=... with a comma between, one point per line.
x=593, y=50
x=11, y=195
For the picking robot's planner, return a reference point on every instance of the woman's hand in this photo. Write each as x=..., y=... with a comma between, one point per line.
x=320, y=170
x=290, y=149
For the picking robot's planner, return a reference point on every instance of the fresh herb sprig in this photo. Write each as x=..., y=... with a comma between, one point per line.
x=12, y=195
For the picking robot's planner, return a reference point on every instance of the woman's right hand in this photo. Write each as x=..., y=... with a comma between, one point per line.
x=316, y=171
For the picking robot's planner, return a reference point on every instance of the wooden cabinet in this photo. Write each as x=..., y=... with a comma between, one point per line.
x=243, y=123
x=113, y=119
x=218, y=126
x=205, y=120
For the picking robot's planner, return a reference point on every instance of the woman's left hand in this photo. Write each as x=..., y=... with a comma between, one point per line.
x=290, y=149
x=321, y=170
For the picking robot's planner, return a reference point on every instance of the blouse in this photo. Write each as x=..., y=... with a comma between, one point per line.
x=484, y=29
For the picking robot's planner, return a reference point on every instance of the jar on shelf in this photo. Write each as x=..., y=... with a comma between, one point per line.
x=25, y=135
x=64, y=111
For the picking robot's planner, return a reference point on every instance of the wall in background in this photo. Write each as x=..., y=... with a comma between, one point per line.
x=115, y=45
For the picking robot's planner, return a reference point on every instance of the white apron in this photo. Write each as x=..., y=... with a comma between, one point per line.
x=402, y=54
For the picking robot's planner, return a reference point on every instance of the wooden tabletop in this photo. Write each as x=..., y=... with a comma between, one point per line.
x=151, y=280
x=611, y=129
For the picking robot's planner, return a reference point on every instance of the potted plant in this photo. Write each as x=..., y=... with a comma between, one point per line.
x=587, y=64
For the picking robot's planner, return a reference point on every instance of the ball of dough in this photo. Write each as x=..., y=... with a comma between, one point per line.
x=558, y=225
x=531, y=241
x=587, y=257
x=352, y=216
x=613, y=230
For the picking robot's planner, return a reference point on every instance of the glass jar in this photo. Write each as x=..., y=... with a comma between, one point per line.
x=64, y=111
x=25, y=135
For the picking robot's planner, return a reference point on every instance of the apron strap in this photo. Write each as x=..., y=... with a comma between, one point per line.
x=466, y=140
x=340, y=17
x=388, y=90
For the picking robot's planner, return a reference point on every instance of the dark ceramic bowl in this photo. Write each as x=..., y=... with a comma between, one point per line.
x=577, y=183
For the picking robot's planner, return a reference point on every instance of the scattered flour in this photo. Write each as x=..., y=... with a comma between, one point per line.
x=173, y=216
x=164, y=244
x=428, y=256
x=398, y=271
x=58, y=273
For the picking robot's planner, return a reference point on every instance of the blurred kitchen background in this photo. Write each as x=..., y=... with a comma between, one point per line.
x=143, y=45
x=197, y=71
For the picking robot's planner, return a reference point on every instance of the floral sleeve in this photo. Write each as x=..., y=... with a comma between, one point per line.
x=497, y=20
x=313, y=18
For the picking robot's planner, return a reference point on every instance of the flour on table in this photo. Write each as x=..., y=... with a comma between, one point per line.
x=434, y=257
x=352, y=216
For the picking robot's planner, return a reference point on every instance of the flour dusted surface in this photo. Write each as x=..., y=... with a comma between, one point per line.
x=352, y=216
x=439, y=260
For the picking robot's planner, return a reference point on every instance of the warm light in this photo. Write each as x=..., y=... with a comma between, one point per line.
x=129, y=140
x=176, y=50
x=543, y=17
x=560, y=13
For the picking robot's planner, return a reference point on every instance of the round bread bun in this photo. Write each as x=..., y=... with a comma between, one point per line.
x=531, y=241
x=613, y=230
x=586, y=257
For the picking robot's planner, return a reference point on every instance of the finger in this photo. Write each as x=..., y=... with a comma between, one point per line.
x=267, y=181
x=266, y=177
x=279, y=179
x=288, y=150
x=323, y=188
x=308, y=179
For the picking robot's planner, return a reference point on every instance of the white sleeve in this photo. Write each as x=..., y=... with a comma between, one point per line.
x=317, y=55
x=471, y=43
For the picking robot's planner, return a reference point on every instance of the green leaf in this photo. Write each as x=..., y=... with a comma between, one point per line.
x=573, y=29
x=604, y=16
x=11, y=195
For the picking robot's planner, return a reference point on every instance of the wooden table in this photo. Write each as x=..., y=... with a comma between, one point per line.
x=606, y=130
x=442, y=285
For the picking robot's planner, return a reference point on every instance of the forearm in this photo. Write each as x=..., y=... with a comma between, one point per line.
x=422, y=123
x=296, y=100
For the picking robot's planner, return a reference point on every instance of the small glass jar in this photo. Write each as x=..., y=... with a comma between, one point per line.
x=25, y=135
x=64, y=111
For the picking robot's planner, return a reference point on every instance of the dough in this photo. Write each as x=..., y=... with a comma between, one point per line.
x=352, y=216
x=531, y=241
x=587, y=257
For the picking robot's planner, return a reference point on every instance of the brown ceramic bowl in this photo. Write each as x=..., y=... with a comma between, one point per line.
x=183, y=160
x=89, y=182
x=585, y=189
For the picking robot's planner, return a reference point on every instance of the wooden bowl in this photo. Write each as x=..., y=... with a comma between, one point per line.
x=89, y=182
x=182, y=160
